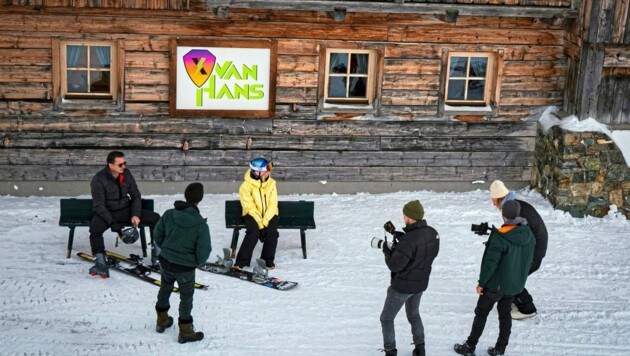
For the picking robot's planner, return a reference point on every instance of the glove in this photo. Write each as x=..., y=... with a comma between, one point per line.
x=263, y=235
x=116, y=228
x=386, y=249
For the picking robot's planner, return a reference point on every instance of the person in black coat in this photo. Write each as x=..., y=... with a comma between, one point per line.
x=116, y=202
x=523, y=302
x=409, y=260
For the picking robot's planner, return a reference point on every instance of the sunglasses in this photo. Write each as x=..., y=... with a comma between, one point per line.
x=120, y=165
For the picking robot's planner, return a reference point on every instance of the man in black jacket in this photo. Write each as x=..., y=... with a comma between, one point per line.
x=409, y=261
x=523, y=302
x=116, y=202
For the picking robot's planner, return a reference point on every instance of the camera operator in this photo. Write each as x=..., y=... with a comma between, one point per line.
x=523, y=302
x=504, y=266
x=409, y=261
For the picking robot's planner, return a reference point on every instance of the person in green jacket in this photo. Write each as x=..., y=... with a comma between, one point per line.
x=504, y=269
x=183, y=238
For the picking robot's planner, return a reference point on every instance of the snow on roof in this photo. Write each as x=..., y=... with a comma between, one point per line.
x=621, y=138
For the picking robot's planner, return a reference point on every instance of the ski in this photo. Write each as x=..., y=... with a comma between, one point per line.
x=136, y=261
x=259, y=276
x=134, y=271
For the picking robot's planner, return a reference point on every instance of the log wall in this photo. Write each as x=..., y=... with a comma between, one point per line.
x=410, y=142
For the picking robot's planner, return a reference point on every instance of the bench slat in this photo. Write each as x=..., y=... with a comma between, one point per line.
x=292, y=214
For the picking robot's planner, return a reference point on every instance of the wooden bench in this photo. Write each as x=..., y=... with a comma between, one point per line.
x=292, y=215
x=78, y=212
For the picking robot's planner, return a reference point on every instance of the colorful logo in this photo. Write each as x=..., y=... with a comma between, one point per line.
x=199, y=64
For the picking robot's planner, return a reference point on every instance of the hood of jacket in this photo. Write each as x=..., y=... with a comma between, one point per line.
x=516, y=234
x=187, y=215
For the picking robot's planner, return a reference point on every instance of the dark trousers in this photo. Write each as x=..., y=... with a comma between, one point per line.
x=186, y=285
x=484, y=306
x=393, y=304
x=252, y=235
x=122, y=217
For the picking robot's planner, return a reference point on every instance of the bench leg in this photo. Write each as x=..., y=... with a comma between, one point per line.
x=234, y=242
x=70, y=241
x=143, y=242
x=303, y=238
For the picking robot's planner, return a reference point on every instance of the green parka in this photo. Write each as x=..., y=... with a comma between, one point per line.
x=183, y=236
x=507, y=259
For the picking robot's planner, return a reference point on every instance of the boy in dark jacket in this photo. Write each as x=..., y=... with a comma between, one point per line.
x=184, y=240
x=409, y=261
x=504, y=269
x=523, y=305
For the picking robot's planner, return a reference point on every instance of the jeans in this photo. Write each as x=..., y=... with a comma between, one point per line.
x=393, y=303
x=185, y=283
x=484, y=306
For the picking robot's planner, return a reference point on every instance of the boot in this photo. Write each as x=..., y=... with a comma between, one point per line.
x=495, y=351
x=187, y=332
x=100, y=266
x=393, y=352
x=419, y=350
x=467, y=349
x=163, y=320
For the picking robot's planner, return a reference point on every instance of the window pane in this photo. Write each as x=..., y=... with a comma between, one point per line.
x=359, y=63
x=336, y=87
x=358, y=87
x=100, y=57
x=99, y=82
x=456, y=89
x=77, y=81
x=77, y=56
x=478, y=67
x=458, y=66
x=338, y=63
x=476, y=89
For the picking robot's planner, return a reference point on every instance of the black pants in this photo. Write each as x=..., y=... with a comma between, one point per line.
x=123, y=217
x=524, y=302
x=185, y=283
x=484, y=306
x=252, y=234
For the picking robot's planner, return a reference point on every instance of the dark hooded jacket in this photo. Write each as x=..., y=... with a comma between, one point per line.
x=410, y=260
x=539, y=229
x=183, y=236
x=108, y=195
x=507, y=258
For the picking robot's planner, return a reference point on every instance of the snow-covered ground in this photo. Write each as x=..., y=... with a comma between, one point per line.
x=49, y=305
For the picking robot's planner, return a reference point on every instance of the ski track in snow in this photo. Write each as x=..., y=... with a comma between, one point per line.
x=49, y=305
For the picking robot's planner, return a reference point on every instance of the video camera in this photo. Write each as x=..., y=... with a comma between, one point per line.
x=481, y=229
x=378, y=243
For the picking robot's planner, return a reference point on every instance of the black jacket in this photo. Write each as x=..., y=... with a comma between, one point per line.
x=410, y=260
x=108, y=196
x=537, y=225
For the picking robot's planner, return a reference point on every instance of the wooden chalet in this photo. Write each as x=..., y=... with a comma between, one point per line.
x=363, y=95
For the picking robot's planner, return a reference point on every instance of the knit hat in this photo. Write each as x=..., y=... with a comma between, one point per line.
x=414, y=210
x=511, y=209
x=498, y=190
x=194, y=193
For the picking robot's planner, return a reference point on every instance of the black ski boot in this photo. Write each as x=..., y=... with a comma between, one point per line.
x=466, y=349
x=187, y=332
x=393, y=352
x=163, y=320
x=495, y=351
x=100, y=267
x=419, y=350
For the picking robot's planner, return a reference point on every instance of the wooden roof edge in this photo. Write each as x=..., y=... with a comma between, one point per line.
x=400, y=7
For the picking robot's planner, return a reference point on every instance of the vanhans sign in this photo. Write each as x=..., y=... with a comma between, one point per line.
x=223, y=78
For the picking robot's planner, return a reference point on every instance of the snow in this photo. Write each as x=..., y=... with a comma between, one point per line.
x=621, y=138
x=51, y=306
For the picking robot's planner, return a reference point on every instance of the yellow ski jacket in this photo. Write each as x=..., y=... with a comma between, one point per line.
x=259, y=199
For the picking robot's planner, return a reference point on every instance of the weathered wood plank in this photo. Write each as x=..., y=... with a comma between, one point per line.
x=617, y=56
x=296, y=95
x=21, y=40
x=409, y=97
x=410, y=82
x=146, y=92
x=412, y=66
x=147, y=60
x=31, y=73
x=535, y=68
x=25, y=91
x=292, y=63
x=511, y=52
x=476, y=36
x=25, y=57
x=141, y=76
x=297, y=79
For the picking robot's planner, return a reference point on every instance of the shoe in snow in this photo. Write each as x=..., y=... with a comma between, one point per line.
x=517, y=315
x=465, y=349
x=419, y=350
x=493, y=351
x=187, y=332
x=100, y=267
x=393, y=352
x=164, y=321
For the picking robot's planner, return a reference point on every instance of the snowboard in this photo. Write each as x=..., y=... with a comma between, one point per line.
x=136, y=261
x=259, y=276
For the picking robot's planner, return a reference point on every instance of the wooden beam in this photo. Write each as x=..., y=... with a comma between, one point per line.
x=407, y=7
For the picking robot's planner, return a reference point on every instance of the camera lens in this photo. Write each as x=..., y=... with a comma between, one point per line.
x=376, y=243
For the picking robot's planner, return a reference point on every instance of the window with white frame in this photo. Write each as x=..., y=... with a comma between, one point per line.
x=470, y=79
x=88, y=70
x=349, y=77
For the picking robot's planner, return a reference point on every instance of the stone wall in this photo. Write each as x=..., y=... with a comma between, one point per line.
x=582, y=173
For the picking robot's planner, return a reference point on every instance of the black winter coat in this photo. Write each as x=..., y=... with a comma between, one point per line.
x=410, y=260
x=108, y=196
x=537, y=225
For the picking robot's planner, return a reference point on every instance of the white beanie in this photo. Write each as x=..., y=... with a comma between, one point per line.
x=498, y=190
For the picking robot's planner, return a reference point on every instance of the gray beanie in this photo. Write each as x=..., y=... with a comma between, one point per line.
x=194, y=193
x=511, y=209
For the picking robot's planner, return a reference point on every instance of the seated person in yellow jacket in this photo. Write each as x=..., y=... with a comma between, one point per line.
x=259, y=199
